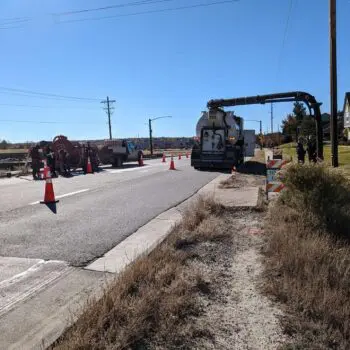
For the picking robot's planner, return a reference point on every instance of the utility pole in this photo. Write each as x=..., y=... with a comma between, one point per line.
x=271, y=118
x=150, y=131
x=333, y=81
x=150, y=135
x=261, y=135
x=108, y=109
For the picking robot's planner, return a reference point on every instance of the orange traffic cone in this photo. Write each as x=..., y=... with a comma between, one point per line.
x=46, y=170
x=49, y=196
x=233, y=170
x=179, y=156
x=141, y=160
x=172, y=164
x=163, y=158
x=89, y=167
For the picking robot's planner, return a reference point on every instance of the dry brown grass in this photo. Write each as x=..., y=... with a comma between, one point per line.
x=154, y=299
x=307, y=267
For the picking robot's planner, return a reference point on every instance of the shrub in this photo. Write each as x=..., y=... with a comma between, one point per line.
x=322, y=194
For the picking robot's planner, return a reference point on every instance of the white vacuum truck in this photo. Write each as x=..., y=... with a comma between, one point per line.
x=221, y=141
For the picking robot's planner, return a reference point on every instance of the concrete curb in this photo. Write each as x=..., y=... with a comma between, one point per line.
x=141, y=242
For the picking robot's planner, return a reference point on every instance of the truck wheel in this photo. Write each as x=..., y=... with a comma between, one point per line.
x=118, y=162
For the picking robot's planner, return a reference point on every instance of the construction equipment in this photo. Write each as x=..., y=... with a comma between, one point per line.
x=222, y=143
x=310, y=101
x=221, y=137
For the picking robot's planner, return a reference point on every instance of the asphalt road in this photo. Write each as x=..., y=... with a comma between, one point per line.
x=95, y=212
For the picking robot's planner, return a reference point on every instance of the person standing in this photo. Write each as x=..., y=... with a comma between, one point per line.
x=63, y=162
x=85, y=159
x=51, y=161
x=301, y=152
x=35, y=156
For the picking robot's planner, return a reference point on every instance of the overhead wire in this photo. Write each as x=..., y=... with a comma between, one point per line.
x=291, y=2
x=45, y=122
x=19, y=21
x=150, y=11
x=53, y=107
x=39, y=94
x=110, y=7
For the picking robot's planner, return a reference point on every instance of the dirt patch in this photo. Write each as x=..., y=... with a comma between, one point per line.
x=237, y=313
x=233, y=181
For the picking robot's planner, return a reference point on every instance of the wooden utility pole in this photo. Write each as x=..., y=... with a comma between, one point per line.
x=271, y=118
x=108, y=109
x=333, y=81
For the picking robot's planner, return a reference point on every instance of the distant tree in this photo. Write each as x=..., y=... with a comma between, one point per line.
x=4, y=144
x=299, y=111
x=289, y=126
x=308, y=126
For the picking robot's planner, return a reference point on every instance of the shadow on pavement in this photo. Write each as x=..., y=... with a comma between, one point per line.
x=252, y=167
x=125, y=166
x=52, y=207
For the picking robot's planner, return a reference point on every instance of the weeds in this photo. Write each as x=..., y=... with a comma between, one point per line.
x=322, y=194
x=307, y=267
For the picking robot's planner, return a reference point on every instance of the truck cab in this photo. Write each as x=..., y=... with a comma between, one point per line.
x=116, y=152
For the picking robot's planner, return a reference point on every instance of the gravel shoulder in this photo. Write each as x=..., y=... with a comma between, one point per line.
x=237, y=313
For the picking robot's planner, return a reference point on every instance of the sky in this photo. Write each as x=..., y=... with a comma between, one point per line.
x=157, y=58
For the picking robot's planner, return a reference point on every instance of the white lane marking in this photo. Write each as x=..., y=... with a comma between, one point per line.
x=64, y=195
x=116, y=171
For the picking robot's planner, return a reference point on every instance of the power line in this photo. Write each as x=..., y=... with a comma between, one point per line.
x=46, y=107
x=128, y=4
x=150, y=11
x=284, y=36
x=39, y=94
x=43, y=122
x=20, y=21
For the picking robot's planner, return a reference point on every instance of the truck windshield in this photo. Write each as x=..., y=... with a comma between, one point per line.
x=131, y=147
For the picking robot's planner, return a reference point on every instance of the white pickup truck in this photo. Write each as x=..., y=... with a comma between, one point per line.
x=116, y=152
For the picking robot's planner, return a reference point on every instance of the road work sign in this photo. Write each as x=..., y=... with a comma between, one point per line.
x=272, y=183
x=271, y=175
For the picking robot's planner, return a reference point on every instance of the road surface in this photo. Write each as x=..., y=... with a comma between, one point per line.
x=95, y=211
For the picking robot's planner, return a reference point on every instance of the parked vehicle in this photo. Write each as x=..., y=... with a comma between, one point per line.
x=116, y=152
x=221, y=141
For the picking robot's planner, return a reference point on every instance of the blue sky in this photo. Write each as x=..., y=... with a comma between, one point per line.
x=156, y=64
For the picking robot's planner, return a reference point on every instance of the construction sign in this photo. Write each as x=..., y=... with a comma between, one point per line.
x=272, y=183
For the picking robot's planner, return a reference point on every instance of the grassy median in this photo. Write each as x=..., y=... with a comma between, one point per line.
x=308, y=257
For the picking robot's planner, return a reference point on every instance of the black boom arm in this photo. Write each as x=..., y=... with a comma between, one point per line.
x=309, y=100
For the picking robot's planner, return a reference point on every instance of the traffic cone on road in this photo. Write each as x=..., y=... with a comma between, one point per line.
x=172, y=164
x=187, y=155
x=46, y=170
x=163, y=158
x=141, y=160
x=89, y=167
x=49, y=196
x=179, y=156
x=233, y=170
